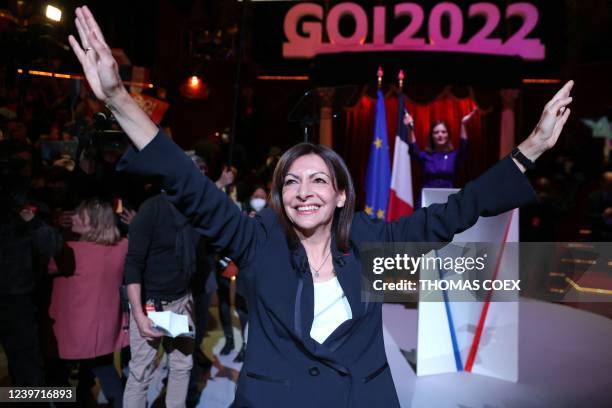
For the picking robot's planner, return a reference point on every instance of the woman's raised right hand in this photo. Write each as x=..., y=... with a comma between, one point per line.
x=95, y=56
x=102, y=73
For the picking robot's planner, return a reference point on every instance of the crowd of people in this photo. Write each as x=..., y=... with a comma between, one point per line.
x=82, y=245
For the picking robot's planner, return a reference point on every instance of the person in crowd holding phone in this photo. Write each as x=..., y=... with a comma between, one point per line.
x=312, y=340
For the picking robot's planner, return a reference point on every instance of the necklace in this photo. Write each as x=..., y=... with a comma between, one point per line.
x=316, y=270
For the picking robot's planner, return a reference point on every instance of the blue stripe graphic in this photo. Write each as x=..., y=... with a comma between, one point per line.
x=451, y=327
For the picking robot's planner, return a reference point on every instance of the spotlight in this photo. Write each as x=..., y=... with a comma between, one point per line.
x=194, y=82
x=53, y=13
x=194, y=88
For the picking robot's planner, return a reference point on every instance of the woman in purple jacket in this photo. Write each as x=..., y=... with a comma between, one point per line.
x=440, y=160
x=313, y=340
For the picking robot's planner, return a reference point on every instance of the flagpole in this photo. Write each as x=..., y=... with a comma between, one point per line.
x=401, y=200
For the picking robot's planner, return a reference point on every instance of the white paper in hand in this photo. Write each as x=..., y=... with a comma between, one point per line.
x=171, y=324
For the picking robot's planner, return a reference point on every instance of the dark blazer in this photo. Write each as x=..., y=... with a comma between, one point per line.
x=284, y=366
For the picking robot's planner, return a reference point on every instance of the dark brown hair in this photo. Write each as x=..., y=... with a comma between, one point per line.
x=448, y=147
x=342, y=181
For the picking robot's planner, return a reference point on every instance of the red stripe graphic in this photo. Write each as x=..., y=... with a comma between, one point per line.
x=483, y=315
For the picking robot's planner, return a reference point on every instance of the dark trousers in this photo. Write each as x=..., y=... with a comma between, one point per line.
x=201, y=303
x=19, y=338
x=223, y=293
x=103, y=368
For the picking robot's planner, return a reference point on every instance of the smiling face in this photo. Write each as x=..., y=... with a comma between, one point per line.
x=309, y=195
x=439, y=136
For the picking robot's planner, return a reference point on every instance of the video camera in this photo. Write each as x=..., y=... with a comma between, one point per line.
x=102, y=136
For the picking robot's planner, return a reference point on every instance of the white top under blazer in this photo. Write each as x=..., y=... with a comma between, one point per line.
x=331, y=309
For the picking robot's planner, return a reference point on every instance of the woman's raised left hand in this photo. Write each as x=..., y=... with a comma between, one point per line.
x=547, y=131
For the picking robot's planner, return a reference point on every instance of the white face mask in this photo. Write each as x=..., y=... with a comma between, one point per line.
x=257, y=203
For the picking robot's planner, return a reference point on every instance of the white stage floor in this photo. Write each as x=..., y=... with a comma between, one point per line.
x=565, y=360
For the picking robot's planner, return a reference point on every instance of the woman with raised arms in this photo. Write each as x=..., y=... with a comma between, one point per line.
x=313, y=342
x=440, y=161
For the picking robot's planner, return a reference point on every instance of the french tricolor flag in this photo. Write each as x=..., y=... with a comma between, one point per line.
x=400, y=197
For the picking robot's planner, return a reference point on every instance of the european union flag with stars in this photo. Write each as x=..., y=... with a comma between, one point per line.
x=378, y=176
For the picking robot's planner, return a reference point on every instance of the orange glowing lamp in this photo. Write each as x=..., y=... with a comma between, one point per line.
x=194, y=82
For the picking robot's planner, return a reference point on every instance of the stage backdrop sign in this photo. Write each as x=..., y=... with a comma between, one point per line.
x=479, y=336
x=310, y=30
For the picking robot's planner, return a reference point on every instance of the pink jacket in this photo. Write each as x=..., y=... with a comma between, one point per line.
x=85, y=307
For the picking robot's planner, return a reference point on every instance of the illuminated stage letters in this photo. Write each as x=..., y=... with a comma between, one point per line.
x=310, y=18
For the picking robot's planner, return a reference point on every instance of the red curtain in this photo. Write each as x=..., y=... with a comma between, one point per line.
x=359, y=124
